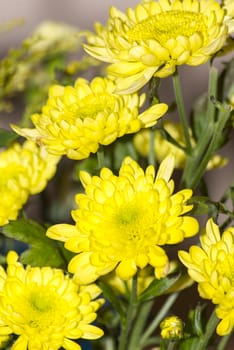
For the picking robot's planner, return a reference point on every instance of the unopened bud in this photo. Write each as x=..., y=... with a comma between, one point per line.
x=171, y=328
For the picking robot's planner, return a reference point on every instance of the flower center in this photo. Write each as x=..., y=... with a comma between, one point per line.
x=91, y=105
x=40, y=302
x=43, y=307
x=168, y=25
x=128, y=220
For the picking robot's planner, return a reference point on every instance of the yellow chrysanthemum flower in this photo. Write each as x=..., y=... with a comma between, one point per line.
x=211, y=265
x=76, y=120
x=122, y=222
x=172, y=328
x=24, y=170
x=45, y=308
x=156, y=36
x=162, y=147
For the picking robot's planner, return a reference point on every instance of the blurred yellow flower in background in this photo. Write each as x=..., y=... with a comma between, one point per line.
x=156, y=36
x=211, y=266
x=163, y=147
x=229, y=6
x=76, y=120
x=144, y=279
x=45, y=308
x=24, y=170
x=55, y=37
x=123, y=221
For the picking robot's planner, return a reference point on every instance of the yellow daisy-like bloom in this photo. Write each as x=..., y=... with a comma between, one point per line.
x=24, y=170
x=76, y=120
x=45, y=308
x=211, y=265
x=162, y=147
x=122, y=222
x=156, y=36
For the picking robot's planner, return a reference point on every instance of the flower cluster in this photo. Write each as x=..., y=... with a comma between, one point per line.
x=129, y=214
x=77, y=120
x=24, y=170
x=123, y=221
x=45, y=308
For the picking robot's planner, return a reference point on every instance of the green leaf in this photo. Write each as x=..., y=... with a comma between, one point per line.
x=157, y=288
x=123, y=149
x=42, y=250
x=200, y=205
x=197, y=320
x=7, y=137
x=203, y=205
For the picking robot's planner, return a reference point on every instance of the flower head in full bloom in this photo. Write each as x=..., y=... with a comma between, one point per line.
x=156, y=36
x=211, y=265
x=76, y=120
x=162, y=146
x=45, y=308
x=24, y=170
x=123, y=221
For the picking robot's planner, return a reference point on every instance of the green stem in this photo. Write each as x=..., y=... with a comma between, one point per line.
x=212, y=92
x=223, y=342
x=154, y=324
x=139, y=324
x=210, y=327
x=109, y=344
x=151, y=155
x=226, y=223
x=181, y=109
x=100, y=157
x=204, y=139
x=123, y=341
x=210, y=112
x=153, y=341
x=153, y=98
x=171, y=345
